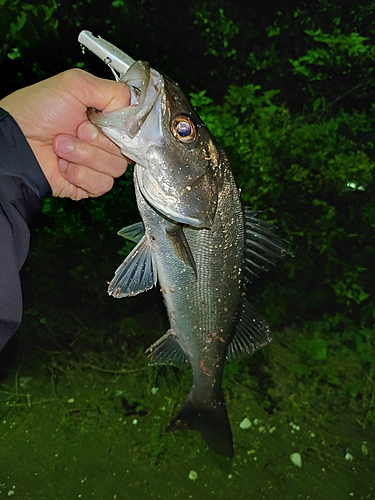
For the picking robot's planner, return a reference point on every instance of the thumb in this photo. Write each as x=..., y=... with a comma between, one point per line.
x=99, y=93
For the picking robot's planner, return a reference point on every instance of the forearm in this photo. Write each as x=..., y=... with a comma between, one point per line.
x=17, y=158
x=22, y=189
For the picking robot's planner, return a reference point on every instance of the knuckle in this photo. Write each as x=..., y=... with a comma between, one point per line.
x=106, y=185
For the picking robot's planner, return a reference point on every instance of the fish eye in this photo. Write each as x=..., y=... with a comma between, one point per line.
x=184, y=129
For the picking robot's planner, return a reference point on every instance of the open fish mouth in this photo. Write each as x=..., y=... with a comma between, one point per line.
x=124, y=125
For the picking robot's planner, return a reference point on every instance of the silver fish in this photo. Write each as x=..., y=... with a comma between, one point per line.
x=195, y=239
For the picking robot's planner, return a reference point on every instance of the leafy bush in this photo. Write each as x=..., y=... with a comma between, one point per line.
x=286, y=90
x=313, y=176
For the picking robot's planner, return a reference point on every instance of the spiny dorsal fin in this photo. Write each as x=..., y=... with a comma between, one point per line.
x=137, y=273
x=167, y=351
x=134, y=232
x=262, y=247
x=252, y=333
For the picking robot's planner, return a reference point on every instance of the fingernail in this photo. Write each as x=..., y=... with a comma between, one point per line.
x=63, y=165
x=65, y=145
x=87, y=132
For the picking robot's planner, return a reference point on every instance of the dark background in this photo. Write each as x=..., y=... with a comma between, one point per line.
x=287, y=88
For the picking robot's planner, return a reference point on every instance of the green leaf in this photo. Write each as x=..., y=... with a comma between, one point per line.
x=14, y=53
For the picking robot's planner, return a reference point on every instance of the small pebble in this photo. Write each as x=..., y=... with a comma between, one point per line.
x=364, y=449
x=296, y=459
x=193, y=476
x=294, y=426
x=245, y=424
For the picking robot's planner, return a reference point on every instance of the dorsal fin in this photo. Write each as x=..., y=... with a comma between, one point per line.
x=262, y=247
x=251, y=334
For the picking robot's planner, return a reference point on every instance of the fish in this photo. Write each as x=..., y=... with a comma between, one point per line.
x=195, y=240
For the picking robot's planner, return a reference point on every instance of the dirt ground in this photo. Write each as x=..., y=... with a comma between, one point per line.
x=95, y=430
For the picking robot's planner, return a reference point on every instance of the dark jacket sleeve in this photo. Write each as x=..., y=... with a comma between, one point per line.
x=22, y=189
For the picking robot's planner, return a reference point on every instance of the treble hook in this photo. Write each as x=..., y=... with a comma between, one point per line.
x=108, y=62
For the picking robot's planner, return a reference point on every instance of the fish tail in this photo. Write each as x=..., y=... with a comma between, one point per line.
x=210, y=419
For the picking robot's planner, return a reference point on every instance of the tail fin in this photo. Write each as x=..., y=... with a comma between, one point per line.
x=210, y=419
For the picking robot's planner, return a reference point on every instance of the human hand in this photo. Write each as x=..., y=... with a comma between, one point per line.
x=77, y=160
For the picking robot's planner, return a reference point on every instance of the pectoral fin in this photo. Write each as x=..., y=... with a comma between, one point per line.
x=137, y=273
x=181, y=247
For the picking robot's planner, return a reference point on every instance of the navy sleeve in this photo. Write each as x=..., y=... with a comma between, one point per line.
x=22, y=189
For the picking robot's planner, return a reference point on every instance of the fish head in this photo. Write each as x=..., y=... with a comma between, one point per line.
x=177, y=162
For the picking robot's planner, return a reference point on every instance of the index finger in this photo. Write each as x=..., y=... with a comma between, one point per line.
x=89, y=133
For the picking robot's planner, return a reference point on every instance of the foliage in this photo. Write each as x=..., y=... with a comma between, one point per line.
x=331, y=361
x=25, y=25
x=313, y=176
x=285, y=88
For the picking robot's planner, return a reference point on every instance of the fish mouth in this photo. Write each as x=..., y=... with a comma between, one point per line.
x=190, y=207
x=135, y=147
x=135, y=127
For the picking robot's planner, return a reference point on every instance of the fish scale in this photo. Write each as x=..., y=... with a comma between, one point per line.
x=202, y=310
x=216, y=263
